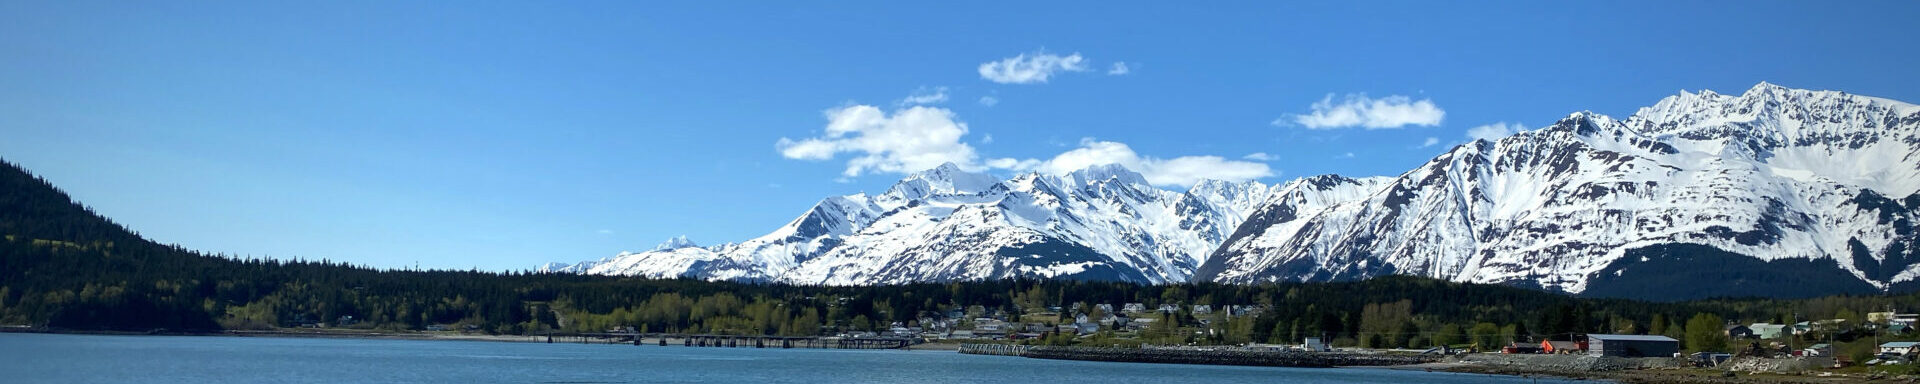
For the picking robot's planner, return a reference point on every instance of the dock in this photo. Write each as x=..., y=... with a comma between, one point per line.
x=730, y=341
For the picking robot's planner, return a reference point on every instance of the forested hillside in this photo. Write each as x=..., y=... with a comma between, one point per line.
x=62, y=266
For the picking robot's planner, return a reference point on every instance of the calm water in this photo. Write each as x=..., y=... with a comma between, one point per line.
x=35, y=358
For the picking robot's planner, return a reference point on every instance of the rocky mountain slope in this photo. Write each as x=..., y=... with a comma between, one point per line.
x=1103, y=222
x=1773, y=192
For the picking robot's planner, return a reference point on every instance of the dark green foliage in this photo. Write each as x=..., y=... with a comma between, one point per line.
x=1692, y=271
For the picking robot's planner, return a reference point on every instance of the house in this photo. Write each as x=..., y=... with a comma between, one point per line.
x=1903, y=348
x=988, y=325
x=1104, y=308
x=1905, y=318
x=1140, y=323
x=1892, y=317
x=1768, y=331
x=1313, y=344
x=1202, y=309
x=1561, y=347
x=1818, y=350
x=1632, y=345
x=1169, y=308
x=1133, y=308
x=962, y=335
x=1737, y=331
x=1899, y=328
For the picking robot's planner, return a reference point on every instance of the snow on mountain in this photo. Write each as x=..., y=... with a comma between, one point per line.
x=1744, y=195
x=1103, y=222
x=1773, y=192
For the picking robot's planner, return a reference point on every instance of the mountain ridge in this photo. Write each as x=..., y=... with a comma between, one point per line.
x=1773, y=174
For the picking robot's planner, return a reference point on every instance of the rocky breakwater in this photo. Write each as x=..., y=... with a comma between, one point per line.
x=1226, y=356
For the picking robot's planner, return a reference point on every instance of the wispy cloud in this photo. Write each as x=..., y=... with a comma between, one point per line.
x=1030, y=68
x=1358, y=110
x=1495, y=131
x=604, y=231
x=1118, y=68
x=989, y=100
x=1260, y=156
x=924, y=96
x=1431, y=141
x=1181, y=171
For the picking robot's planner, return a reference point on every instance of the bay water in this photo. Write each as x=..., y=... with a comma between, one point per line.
x=51, y=358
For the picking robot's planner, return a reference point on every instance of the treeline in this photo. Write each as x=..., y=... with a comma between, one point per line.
x=63, y=266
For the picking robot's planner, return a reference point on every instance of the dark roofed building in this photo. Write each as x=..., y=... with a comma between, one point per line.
x=1632, y=345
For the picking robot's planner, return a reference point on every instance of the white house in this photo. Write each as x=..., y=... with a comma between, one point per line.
x=1904, y=348
x=1313, y=344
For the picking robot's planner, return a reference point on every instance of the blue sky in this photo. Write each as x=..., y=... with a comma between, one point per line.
x=502, y=135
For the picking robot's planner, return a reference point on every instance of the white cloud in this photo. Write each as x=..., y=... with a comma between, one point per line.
x=604, y=231
x=924, y=96
x=989, y=100
x=1181, y=171
x=1260, y=156
x=1431, y=141
x=911, y=139
x=986, y=139
x=915, y=138
x=1119, y=68
x=1014, y=164
x=1347, y=155
x=1495, y=131
x=1029, y=68
x=1357, y=110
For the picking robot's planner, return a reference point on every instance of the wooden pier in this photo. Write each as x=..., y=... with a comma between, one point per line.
x=730, y=341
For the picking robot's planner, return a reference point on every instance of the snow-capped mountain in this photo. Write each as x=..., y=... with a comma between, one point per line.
x=943, y=224
x=1774, y=192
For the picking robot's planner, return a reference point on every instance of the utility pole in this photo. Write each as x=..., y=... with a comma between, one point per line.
x=1791, y=333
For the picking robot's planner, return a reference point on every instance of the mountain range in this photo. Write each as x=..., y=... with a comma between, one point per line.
x=1773, y=192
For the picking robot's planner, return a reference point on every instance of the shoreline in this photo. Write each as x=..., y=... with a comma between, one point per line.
x=291, y=334
x=1632, y=376
x=1682, y=375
